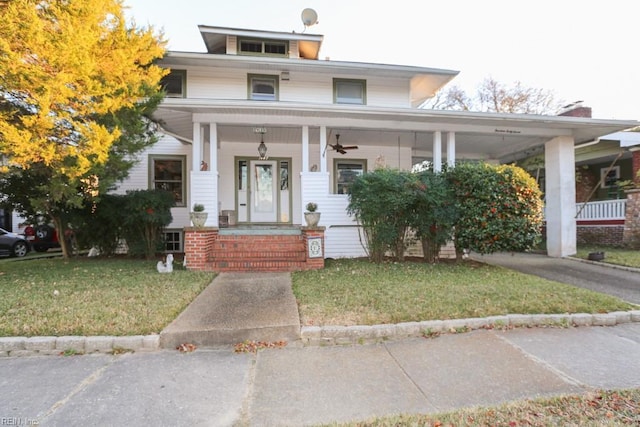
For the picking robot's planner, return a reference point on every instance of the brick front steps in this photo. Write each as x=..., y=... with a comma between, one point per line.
x=253, y=249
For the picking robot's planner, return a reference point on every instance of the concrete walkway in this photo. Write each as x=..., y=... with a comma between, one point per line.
x=237, y=307
x=313, y=385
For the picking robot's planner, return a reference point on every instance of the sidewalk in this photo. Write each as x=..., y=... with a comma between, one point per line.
x=313, y=385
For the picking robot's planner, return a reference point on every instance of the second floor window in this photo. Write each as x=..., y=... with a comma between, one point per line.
x=263, y=87
x=174, y=84
x=347, y=91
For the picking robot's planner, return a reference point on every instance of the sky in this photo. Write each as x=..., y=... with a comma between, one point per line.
x=581, y=50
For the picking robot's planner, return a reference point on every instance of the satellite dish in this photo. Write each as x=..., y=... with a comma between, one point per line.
x=309, y=17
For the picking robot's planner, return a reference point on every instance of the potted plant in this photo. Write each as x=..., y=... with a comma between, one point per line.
x=311, y=216
x=198, y=216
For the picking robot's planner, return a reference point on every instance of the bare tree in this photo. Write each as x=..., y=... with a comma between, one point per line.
x=495, y=97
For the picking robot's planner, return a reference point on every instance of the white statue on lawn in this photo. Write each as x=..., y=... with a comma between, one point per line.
x=166, y=267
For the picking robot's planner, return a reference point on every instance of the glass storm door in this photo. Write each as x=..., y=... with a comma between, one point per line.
x=264, y=185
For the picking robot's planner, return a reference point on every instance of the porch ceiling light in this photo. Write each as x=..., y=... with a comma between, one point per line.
x=262, y=148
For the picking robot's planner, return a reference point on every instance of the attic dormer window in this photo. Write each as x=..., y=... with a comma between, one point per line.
x=264, y=47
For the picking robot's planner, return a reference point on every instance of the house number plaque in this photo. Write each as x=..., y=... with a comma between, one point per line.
x=314, y=246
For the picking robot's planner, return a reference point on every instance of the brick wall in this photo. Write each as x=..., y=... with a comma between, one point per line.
x=608, y=235
x=198, y=243
x=207, y=250
x=631, y=236
x=635, y=162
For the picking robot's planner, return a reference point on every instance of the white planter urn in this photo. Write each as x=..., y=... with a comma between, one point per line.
x=312, y=218
x=198, y=218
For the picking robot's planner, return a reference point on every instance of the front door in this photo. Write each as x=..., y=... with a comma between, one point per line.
x=263, y=199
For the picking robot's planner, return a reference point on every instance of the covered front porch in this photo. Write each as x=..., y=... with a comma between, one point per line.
x=302, y=165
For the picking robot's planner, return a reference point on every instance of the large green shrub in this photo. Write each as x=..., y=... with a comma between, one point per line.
x=139, y=217
x=434, y=212
x=389, y=203
x=380, y=203
x=100, y=225
x=148, y=212
x=499, y=208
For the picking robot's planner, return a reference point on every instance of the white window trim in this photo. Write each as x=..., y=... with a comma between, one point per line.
x=269, y=77
x=347, y=100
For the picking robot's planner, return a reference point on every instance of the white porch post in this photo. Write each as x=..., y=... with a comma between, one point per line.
x=203, y=184
x=323, y=148
x=560, y=195
x=213, y=148
x=437, y=151
x=305, y=148
x=196, y=149
x=451, y=149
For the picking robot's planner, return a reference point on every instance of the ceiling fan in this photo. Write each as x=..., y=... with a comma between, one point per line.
x=341, y=148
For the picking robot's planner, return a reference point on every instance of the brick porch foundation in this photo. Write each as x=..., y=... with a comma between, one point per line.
x=209, y=249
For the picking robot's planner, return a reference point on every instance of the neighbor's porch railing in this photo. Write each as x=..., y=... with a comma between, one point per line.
x=602, y=210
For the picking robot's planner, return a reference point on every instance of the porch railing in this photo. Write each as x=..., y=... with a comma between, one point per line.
x=602, y=210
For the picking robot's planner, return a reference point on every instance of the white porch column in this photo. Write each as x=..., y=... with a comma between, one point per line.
x=203, y=184
x=305, y=149
x=560, y=195
x=451, y=149
x=196, y=149
x=323, y=148
x=213, y=147
x=437, y=151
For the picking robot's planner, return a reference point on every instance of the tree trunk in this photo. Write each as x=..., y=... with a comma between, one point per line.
x=57, y=222
x=429, y=251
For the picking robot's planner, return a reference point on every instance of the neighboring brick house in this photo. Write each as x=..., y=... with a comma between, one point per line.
x=254, y=90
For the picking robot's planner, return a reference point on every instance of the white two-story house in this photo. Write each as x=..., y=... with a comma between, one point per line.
x=259, y=125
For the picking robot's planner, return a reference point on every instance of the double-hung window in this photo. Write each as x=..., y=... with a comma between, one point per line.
x=168, y=173
x=174, y=84
x=348, y=91
x=263, y=87
x=345, y=172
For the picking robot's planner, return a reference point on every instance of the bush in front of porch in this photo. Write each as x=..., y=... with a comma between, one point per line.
x=491, y=208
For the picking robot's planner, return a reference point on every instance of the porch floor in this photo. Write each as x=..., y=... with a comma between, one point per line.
x=260, y=229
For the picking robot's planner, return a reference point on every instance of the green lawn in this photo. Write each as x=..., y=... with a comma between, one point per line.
x=597, y=408
x=619, y=256
x=94, y=296
x=351, y=292
x=127, y=297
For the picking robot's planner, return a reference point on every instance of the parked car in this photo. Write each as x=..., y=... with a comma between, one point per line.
x=42, y=237
x=13, y=244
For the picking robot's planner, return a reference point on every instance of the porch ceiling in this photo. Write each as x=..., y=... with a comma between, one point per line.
x=503, y=137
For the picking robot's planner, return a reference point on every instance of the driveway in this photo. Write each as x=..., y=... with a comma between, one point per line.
x=599, y=277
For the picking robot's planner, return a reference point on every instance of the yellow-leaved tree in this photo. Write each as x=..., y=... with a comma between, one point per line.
x=76, y=84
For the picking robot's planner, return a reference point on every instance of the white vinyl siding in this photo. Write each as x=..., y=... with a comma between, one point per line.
x=317, y=88
x=139, y=174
